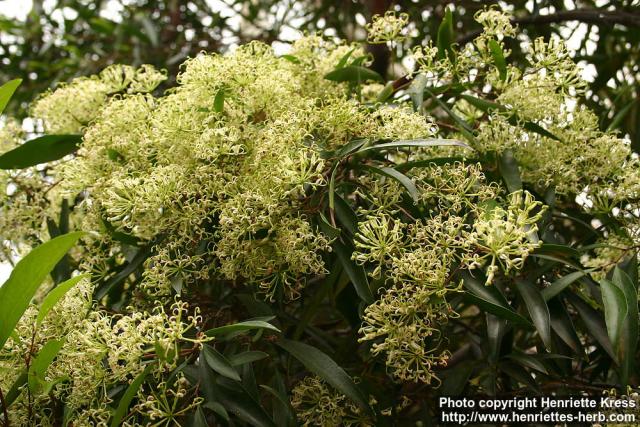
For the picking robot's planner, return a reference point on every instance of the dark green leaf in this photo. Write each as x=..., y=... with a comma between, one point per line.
x=353, y=74
x=404, y=180
x=563, y=326
x=432, y=142
x=123, y=406
x=40, y=150
x=615, y=311
x=247, y=357
x=445, y=35
x=241, y=327
x=219, y=363
x=346, y=216
x=559, y=285
x=26, y=278
x=355, y=272
x=538, y=310
x=323, y=366
x=510, y=171
x=491, y=300
x=593, y=321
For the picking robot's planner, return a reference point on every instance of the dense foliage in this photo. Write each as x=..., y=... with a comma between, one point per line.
x=292, y=239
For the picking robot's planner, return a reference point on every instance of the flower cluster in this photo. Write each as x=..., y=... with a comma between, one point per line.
x=390, y=27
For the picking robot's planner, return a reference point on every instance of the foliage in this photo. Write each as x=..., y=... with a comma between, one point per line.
x=283, y=239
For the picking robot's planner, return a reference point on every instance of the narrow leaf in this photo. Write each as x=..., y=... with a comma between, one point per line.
x=510, y=171
x=559, y=285
x=40, y=150
x=41, y=362
x=55, y=295
x=123, y=406
x=241, y=327
x=404, y=180
x=353, y=74
x=219, y=363
x=356, y=273
x=538, y=310
x=6, y=92
x=26, y=278
x=615, y=311
x=498, y=59
x=323, y=366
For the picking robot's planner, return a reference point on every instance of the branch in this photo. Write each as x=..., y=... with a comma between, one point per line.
x=589, y=16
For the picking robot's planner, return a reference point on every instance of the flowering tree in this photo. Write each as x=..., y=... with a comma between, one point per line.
x=291, y=239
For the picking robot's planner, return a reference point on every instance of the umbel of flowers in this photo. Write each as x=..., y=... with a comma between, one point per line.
x=227, y=176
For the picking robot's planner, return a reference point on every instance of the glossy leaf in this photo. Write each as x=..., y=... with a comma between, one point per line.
x=559, y=285
x=40, y=364
x=356, y=272
x=510, y=171
x=498, y=58
x=6, y=92
x=538, y=310
x=353, y=74
x=26, y=278
x=404, y=180
x=40, y=150
x=219, y=363
x=323, y=366
x=55, y=295
x=126, y=399
x=241, y=327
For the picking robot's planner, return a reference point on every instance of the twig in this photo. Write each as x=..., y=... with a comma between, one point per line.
x=589, y=16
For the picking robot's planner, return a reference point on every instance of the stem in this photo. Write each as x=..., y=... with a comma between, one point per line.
x=4, y=409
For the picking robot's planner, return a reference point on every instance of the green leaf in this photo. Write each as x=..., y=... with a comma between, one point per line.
x=16, y=389
x=464, y=129
x=498, y=58
x=559, y=285
x=123, y=406
x=40, y=150
x=510, y=171
x=344, y=59
x=6, y=92
x=199, y=418
x=615, y=311
x=26, y=278
x=247, y=357
x=563, y=326
x=291, y=59
x=385, y=93
x=346, y=216
x=323, y=366
x=40, y=364
x=238, y=401
x=456, y=379
x=353, y=74
x=538, y=310
x=55, y=295
x=431, y=142
x=241, y=327
x=628, y=339
x=592, y=319
x=445, y=35
x=491, y=300
x=404, y=180
x=483, y=104
x=619, y=117
x=356, y=273
x=283, y=402
x=218, y=101
x=219, y=363
x=416, y=91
